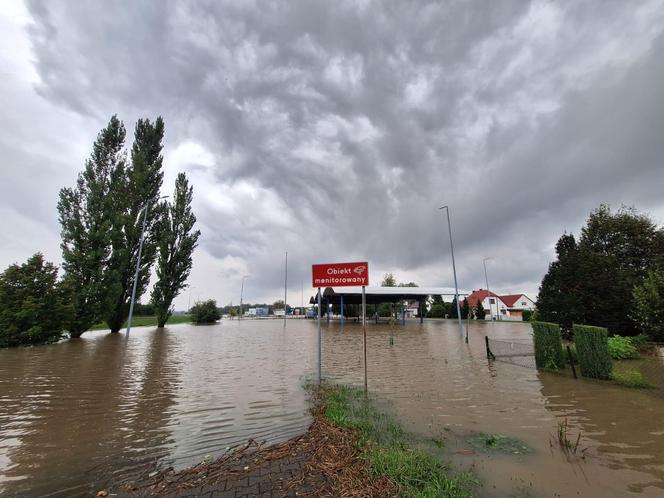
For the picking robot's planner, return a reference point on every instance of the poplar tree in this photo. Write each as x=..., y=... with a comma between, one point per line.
x=86, y=227
x=177, y=241
x=138, y=189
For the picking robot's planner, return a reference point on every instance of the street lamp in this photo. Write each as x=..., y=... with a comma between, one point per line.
x=486, y=278
x=456, y=286
x=189, y=301
x=138, y=263
x=241, y=293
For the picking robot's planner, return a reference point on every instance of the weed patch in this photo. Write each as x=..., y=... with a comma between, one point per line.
x=385, y=446
x=498, y=443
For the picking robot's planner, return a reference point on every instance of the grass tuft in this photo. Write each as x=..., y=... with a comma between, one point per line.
x=385, y=446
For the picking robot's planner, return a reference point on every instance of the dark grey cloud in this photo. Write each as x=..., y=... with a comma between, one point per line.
x=335, y=130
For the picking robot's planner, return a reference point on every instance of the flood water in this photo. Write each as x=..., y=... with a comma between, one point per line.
x=80, y=415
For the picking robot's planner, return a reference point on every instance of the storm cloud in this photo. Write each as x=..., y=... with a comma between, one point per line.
x=335, y=130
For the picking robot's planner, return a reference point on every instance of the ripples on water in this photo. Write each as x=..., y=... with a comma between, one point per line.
x=81, y=414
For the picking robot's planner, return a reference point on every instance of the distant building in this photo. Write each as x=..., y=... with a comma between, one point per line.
x=517, y=304
x=252, y=312
x=506, y=307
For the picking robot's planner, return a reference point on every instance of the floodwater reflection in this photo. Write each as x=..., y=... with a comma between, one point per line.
x=80, y=415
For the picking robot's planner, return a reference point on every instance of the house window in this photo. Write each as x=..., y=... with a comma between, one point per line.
x=523, y=303
x=492, y=301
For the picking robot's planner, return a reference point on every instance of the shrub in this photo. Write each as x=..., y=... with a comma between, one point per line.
x=631, y=378
x=593, y=351
x=621, y=348
x=548, y=348
x=32, y=306
x=528, y=315
x=205, y=312
x=639, y=340
x=647, y=310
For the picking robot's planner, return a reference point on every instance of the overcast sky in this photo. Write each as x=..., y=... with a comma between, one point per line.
x=335, y=130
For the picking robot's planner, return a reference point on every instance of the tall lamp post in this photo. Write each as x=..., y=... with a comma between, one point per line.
x=456, y=286
x=138, y=264
x=486, y=279
x=241, y=293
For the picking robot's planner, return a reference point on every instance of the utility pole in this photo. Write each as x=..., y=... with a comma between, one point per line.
x=486, y=279
x=241, y=295
x=138, y=265
x=456, y=286
x=285, y=287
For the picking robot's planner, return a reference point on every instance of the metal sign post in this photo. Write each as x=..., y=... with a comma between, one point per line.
x=364, y=334
x=319, y=348
x=342, y=275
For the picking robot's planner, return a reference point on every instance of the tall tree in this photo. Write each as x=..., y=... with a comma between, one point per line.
x=137, y=190
x=591, y=282
x=86, y=227
x=177, y=240
x=32, y=307
x=452, y=309
x=559, y=299
x=465, y=309
x=479, y=311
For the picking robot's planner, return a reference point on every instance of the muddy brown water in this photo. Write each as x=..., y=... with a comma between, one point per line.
x=78, y=416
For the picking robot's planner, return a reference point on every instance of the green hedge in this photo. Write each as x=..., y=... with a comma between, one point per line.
x=593, y=351
x=548, y=348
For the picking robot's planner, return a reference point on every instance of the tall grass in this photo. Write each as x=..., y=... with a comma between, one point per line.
x=385, y=446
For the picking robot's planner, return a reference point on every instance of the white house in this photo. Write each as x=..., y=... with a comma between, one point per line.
x=506, y=307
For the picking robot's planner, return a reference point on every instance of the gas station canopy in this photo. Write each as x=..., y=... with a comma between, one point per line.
x=378, y=295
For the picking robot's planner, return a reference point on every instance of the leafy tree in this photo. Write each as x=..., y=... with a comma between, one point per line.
x=408, y=284
x=465, y=309
x=177, y=240
x=648, y=309
x=558, y=300
x=479, y=311
x=592, y=281
x=136, y=190
x=278, y=304
x=452, y=309
x=32, y=304
x=205, y=312
x=86, y=227
x=437, y=311
x=389, y=281
x=436, y=299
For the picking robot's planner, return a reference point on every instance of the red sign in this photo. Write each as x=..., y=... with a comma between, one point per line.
x=340, y=274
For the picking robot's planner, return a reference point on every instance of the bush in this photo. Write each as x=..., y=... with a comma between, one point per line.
x=32, y=306
x=647, y=310
x=639, y=340
x=621, y=348
x=548, y=348
x=205, y=312
x=631, y=378
x=528, y=315
x=593, y=351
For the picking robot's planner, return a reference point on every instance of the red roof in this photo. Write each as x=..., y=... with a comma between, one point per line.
x=478, y=296
x=510, y=299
